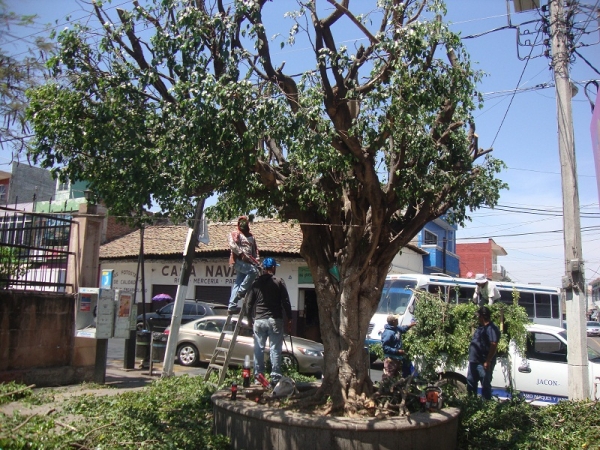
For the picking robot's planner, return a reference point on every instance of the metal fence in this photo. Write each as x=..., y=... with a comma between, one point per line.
x=34, y=250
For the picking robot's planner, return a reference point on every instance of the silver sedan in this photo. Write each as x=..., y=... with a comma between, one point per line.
x=197, y=341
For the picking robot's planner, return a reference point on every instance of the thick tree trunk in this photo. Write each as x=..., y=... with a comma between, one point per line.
x=345, y=310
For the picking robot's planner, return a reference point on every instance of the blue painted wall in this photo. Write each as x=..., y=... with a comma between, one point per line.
x=433, y=262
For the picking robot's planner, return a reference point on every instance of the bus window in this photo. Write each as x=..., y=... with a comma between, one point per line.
x=439, y=290
x=395, y=297
x=506, y=297
x=542, y=306
x=526, y=301
x=465, y=294
x=554, y=303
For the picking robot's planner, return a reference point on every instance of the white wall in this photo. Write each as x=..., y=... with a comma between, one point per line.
x=408, y=261
x=206, y=272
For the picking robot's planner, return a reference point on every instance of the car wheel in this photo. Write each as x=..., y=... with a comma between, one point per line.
x=456, y=383
x=288, y=360
x=187, y=355
x=140, y=326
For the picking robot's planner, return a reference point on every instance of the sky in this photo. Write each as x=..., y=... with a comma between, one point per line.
x=518, y=121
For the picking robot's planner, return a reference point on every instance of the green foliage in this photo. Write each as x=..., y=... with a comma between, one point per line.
x=176, y=413
x=515, y=424
x=12, y=391
x=10, y=263
x=444, y=331
x=172, y=413
x=377, y=350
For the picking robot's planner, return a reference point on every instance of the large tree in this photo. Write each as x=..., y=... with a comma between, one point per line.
x=362, y=145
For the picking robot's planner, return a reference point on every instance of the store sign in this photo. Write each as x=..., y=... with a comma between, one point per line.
x=170, y=274
x=304, y=276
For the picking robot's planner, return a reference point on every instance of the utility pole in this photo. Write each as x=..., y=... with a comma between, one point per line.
x=189, y=252
x=573, y=281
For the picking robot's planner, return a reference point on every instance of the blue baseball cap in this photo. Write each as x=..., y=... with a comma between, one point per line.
x=269, y=262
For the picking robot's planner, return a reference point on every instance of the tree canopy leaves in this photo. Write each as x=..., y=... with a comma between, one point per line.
x=361, y=143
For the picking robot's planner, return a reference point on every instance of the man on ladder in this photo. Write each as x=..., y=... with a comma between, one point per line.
x=244, y=258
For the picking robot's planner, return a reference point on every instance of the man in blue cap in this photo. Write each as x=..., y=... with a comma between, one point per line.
x=268, y=300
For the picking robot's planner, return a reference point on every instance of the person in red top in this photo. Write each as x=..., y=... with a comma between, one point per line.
x=244, y=258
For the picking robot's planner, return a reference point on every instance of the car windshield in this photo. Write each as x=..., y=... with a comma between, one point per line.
x=593, y=324
x=593, y=347
x=395, y=296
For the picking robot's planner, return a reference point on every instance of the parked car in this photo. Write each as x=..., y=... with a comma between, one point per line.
x=198, y=339
x=541, y=375
x=192, y=310
x=593, y=328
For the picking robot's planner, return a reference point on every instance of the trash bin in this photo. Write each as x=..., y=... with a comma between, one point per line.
x=159, y=346
x=142, y=345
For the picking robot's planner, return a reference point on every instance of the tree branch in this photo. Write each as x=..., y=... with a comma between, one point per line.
x=418, y=13
x=344, y=9
x=286, y=83
x=327, y=89
x=137, y=54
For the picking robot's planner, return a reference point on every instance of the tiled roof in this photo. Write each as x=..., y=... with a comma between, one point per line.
x=272, y=237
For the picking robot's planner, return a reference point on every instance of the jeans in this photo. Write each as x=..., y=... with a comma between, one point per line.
x=245, y=275
x=477, y=373
x=273, y=329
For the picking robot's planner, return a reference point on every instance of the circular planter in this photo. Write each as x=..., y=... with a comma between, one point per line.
x=253, y=426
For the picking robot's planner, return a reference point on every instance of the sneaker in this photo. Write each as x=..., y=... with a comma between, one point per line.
x=274, y=380
x=232, y=311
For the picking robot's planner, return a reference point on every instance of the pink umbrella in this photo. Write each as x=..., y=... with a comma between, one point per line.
x=162, y=298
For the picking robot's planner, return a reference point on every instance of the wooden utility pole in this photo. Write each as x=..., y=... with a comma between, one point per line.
x=574, y=279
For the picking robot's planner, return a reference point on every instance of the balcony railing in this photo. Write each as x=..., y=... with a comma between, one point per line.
x=499, y=270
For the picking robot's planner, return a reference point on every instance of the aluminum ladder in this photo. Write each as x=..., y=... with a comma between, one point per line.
x=222, y=354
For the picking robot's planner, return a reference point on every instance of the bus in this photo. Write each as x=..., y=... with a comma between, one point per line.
x=542, y=303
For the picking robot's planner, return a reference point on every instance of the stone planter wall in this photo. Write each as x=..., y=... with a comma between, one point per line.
x=252, y=426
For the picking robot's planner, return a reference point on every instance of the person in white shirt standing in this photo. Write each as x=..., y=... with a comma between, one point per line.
x=486, y=291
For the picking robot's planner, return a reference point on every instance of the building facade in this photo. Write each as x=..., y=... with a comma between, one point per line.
x=482, y=257
x=438, y=240
x=212, y=277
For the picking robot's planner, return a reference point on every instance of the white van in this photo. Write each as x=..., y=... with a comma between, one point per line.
x=542, y=374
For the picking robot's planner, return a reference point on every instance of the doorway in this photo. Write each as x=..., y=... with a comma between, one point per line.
x=312, y=327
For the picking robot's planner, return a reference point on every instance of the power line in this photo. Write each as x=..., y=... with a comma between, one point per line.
x=518, y=83
x=591, y=228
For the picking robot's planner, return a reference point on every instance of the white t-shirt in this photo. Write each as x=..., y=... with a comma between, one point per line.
x=486, y=293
